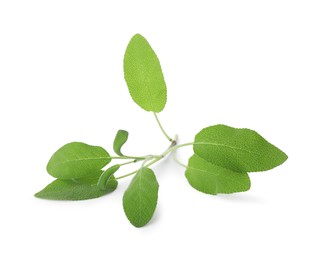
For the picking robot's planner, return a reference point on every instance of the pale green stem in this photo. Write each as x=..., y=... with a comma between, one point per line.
x=157, y=158
x=126, y=175
x=133, y=161
x=173, y=148
x=178, y=162
x=159, y=123
x=146, y=159
x=141, y=158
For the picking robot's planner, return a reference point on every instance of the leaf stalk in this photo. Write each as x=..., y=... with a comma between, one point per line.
x=154, y=159
x=162, y=129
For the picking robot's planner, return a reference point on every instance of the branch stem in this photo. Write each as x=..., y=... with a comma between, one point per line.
x=141, y=158
x=133, y=161
x=160, y=125
x=178, y=162
x=154, y=159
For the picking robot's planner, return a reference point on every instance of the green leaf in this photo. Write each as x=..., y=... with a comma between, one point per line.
x=120, y=139
x=213, y=179
x=140, y=198
x=77, y=160
x=143, y=75
x=240, y=150
x=78, y=189
x=103, y=181
x=90, y=179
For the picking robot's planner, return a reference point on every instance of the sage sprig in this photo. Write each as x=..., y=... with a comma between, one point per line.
x=222, y=155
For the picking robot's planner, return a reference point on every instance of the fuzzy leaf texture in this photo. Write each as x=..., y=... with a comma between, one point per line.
x=77, y=160
x=143, y=75
x=240, y=150
x=119, y=141
x=78, y=189
x=140, y=198
x=212, y=179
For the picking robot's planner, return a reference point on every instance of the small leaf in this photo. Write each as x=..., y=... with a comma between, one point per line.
x=79, y=189
x=106, y=175
x=77, y=160
x=143, y=75
x=240, y=150
x=120, y=140
x=213, y=179
x=140, y=198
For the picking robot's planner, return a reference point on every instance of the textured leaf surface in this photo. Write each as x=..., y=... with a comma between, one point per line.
x=79, y=189
x=213, y=179
x=140, y=198
x=143, y=75
x=103, y=181
x=120, y=140
x=240, y=150
x=77, y=160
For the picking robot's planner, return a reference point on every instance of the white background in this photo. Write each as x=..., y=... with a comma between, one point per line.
x=255, y=64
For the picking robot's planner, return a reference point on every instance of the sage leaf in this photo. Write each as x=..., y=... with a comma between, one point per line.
x=119, y=141
x=90, y=179
x=140, y=198
x=77, y=189
x=103, y=181
x=240, y=150
x=212, y=179
x=77, y=160
x=143, y=75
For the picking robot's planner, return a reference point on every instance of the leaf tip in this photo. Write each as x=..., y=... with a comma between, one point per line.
x=138, y=35
x=38, y=195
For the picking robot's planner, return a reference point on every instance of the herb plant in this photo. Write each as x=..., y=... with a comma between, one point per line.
x=222, y=157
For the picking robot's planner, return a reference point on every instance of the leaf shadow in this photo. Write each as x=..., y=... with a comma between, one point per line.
x=161, y=169
x=241, y=198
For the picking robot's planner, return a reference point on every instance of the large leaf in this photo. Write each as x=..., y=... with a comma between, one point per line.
x=119, y=141
x=140, y=198
x=77, y=160
x=213, y=179
x=78, y=189
x=143, y=75
x=240, y=150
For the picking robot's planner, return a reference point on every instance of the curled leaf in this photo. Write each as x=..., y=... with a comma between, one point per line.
x=119, y=141
x=103, y=182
